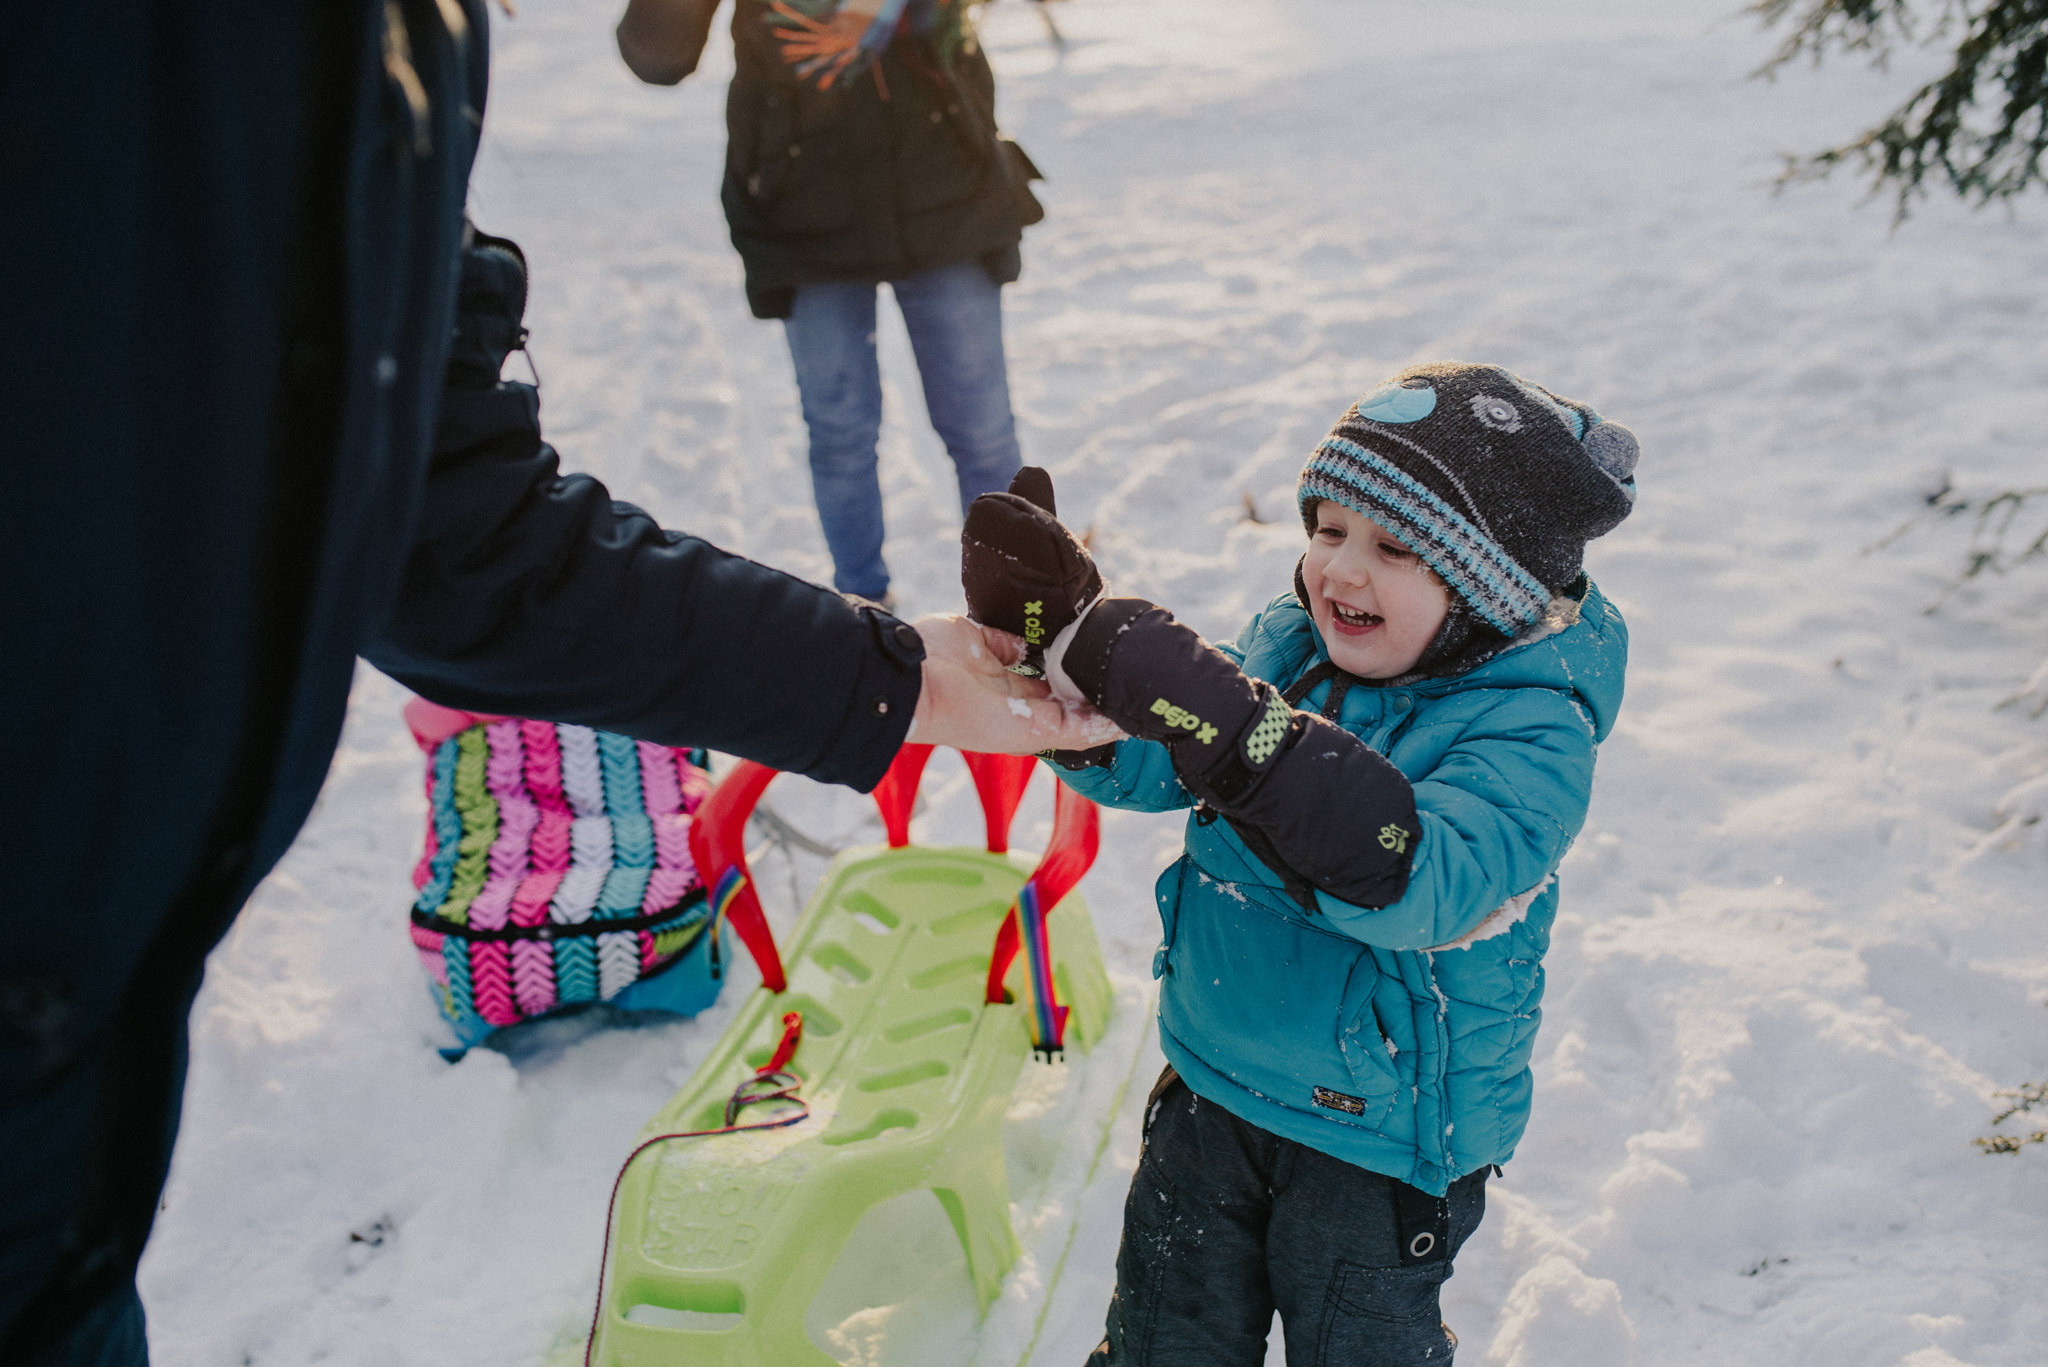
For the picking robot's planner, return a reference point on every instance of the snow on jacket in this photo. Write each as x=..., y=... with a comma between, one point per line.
x=1399, y=1038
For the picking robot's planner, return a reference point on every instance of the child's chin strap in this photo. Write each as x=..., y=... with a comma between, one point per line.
x=1340, y=685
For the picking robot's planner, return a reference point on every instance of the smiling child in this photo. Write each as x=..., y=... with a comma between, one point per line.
x=1376, y=603
x=1386, y=768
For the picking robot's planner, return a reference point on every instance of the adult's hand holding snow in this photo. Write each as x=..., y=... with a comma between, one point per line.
x=973, y=700
x=1024, y=573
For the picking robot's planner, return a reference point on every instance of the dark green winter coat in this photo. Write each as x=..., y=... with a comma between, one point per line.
x=885, y=170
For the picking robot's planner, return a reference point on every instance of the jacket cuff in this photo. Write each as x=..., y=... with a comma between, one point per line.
x=1086, y=659
x=880, y=708
x=1226, y=776
x=473, y=418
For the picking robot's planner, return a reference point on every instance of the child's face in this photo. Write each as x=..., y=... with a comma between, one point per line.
x=1377, y=605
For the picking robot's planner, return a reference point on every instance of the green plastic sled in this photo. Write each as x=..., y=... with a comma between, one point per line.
x=719, y=1243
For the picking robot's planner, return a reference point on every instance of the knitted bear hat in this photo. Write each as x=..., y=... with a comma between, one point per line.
x=1496, y=483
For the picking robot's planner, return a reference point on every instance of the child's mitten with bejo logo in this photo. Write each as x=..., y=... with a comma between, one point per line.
x=1311, y=800
x=1023, y=571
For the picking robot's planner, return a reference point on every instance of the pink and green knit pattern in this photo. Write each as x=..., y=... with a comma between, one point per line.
x=557, y=866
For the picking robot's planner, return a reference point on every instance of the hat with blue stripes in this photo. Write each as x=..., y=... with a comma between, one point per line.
x=1496, y=483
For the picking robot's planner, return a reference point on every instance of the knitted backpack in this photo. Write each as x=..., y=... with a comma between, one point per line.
x=557, y=871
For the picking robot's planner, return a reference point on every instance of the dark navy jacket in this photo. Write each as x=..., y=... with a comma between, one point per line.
x=228, y=246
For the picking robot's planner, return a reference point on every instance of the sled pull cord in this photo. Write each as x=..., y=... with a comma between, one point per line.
x=772, y=1081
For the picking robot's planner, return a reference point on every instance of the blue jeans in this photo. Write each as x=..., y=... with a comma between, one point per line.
x=955, y=318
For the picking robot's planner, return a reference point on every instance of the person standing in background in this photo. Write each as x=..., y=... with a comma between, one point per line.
x=863, y=149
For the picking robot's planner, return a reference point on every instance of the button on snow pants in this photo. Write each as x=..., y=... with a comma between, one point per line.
x=1226, y=1223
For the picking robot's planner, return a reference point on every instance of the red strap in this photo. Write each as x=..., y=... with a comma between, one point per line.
x=718, y=843
x=1009, y=939
x=1000, y=781
x=792, y=1035
x=897, y=792
x=1076, y=837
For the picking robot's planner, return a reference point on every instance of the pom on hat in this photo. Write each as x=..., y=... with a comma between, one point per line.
x=1613, y=448
x=1495, y=482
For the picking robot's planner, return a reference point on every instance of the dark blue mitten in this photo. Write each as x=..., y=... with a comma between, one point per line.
x=1310, y=798
x=489, y=306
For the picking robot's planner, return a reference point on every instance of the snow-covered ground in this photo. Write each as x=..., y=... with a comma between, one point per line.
x=1802, y=941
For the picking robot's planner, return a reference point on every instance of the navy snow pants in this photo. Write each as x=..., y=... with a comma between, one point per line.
x=1226, y=1223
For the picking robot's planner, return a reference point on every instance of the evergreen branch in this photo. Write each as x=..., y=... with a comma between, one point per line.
x=1872, y=26
x=1991, y=531
x=1981, y=127
x=2026, y=1098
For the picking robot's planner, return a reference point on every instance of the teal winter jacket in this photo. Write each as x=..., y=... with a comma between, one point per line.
x=1395, y=1038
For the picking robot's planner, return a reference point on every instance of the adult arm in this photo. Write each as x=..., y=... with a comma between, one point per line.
x=661, y=40
x=534, y=593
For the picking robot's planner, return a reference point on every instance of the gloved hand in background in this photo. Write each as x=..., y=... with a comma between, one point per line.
x=489, y=306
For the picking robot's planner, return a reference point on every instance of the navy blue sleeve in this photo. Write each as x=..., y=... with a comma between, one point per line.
x=534, y=593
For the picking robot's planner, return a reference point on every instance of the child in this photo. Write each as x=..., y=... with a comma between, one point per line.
x=1386, y=768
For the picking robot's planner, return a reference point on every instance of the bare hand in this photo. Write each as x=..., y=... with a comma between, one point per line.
x=972, y=701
